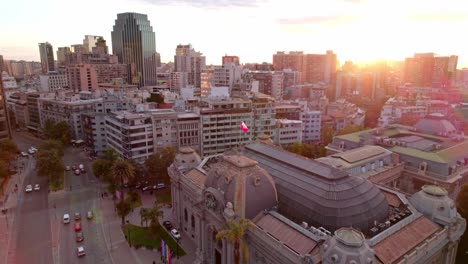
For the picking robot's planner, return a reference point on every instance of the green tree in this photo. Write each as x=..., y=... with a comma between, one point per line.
x=101, y=168
x=48, y=128
x=123, y=209
x=122, y=172
x=155, y=98
x=154, y=214
x=62, y=132
x=144, y=216
x=154, y=166
x=327, y=134
x=4, y=171
x=111, y=155
x=54, y=145
x=8, y=151
x=235, y=235
x=50, y=164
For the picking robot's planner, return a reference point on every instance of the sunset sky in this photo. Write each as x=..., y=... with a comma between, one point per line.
x=253, y=30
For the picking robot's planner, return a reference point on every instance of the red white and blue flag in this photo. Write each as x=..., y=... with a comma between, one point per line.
x=244, y=127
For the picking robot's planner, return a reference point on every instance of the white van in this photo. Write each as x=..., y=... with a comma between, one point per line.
x=66, y=218
x=81, y=167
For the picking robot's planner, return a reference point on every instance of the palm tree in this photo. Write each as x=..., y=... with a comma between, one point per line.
x=234, y=235
x=144, y=216
x=122, y=172
x=155, y=213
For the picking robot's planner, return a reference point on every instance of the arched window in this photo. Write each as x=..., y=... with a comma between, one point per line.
x=185, y=215
x=192, y=219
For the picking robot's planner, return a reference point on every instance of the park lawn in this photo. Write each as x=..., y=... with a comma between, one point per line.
x=146, y=237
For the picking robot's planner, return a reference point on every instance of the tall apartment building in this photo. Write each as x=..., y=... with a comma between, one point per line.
x=312, y=127
x=47, y=57
x=82, y=77
x=164, y=128
x=190, y=61
x=134, y=43
x=34, y=123
x=63, y=56
x=264, y=115
x=9, y=85
x=270, y=83
x=220, y=124
x=2, y=64
x=89, y=42
x=5, y=132
x=94, y=132
x=288, y=132
x=107, y=72
x=312, y=67
x=178, y=80
x=18, y=104
x=231, y=59
x=427, y=69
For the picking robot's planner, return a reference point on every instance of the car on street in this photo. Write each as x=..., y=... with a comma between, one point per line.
x=79, y=237
x=66, y=218
x=29, y=188
x=24, y=154
x=30, y=151
x=81, y=167
x=137, y=186
x=167, y=225
x=77, y=227
x=33, y=149
x=37, y=187
x=80, y=251
x=77, y=172
x=82, y=170
x=67, y=168
x=159, y=186
x=147, y=188
x=175, y=233
x=74, y=167
x=89, y=215
x=77, y=216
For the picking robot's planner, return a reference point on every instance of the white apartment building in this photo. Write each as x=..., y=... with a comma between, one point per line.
x=220, y=124
x=164, y=128
x=53, y=81
x=288, y=132
x=94, y=132
x=178, y=80
x=9, y=85
x=312, y=126
x=264, y=111
x=393, y=110
x=130, y=134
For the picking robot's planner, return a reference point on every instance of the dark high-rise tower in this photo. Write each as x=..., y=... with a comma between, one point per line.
x=47, y=57
x=5, y=132
x=134, y=43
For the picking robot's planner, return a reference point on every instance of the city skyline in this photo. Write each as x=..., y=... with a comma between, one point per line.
x=253, y=30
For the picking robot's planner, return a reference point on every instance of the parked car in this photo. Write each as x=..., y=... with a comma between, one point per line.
x=146, y=188
x=175, y=233
x=37, y=187
x=77, y=216
x=159, y=186
x=138, y=186
x=81, y=167
x=33, y=149
x=167, y=225
x=77, y=172
x=89, y=215
x=66, y=218
x=79, y=237
x=67, y=168
x=80, y=251
x=30, y=151
x=29, y=188
x=24, y=154
x=77, y=227
x=74, y=168
x=83, y=170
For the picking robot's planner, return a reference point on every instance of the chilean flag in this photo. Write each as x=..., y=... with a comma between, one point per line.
x=244, y=127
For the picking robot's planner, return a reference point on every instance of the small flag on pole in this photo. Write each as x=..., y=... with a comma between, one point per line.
x=244, y=127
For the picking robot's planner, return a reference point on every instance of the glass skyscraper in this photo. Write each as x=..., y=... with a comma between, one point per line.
x=134, y=43
x=47, y=57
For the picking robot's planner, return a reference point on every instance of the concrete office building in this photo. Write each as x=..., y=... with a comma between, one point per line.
x=18, y=104
x=134, y=43
x=288, y=132
x=220, y=124
x=312, y=127
x=94, y=132
x=46, y=53
x=53, y=81
x=82, y=77
x=188, y=130
x=5, y=131
x=9, y=85
x=190, y=61
x=89, y=42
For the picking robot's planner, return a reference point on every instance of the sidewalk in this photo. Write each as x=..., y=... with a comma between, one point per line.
x=9, y=202
x=121, y=253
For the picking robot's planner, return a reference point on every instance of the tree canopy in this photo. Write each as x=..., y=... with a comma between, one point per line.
x=234, y=235
x=58, y=131
x=8, y=151
x=54, y=145
x=155, y=98
x=50, y=164
x=157, y=164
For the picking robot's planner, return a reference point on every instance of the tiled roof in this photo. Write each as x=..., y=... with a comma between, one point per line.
x=196, y=177
x=402, y=242
x=285, y=233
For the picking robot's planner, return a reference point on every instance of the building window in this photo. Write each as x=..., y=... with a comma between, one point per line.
x=192, y=219
x=381, y=163
x=185, y=215
x=363, y=169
